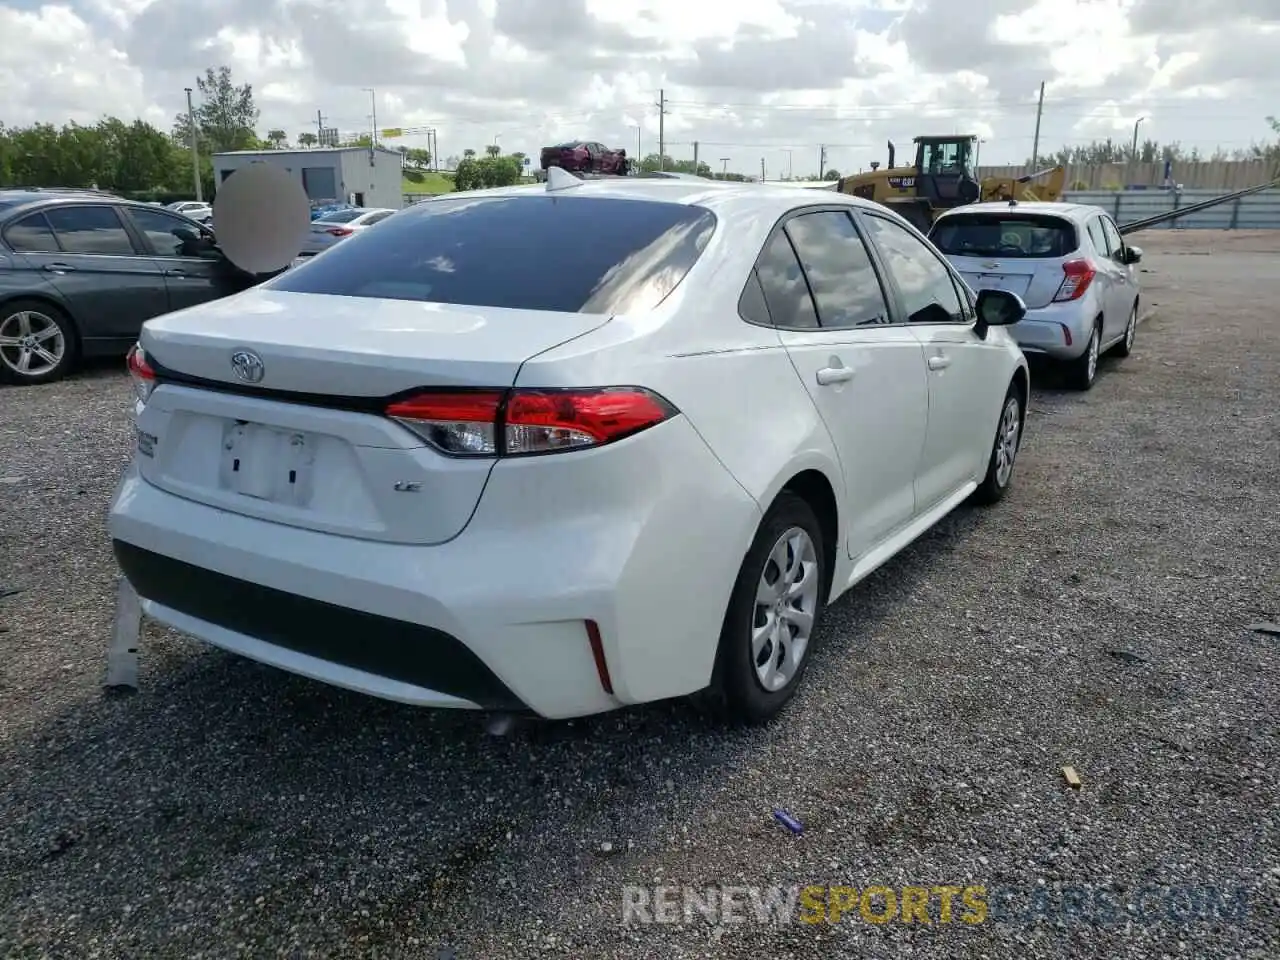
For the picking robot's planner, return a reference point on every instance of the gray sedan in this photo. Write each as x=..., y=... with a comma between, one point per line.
x=80, y=273
x=338, y=225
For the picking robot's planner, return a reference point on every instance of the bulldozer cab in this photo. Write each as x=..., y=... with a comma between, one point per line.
x=944, y=170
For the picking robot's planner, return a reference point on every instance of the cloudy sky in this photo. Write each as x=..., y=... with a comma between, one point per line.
x=749, y=80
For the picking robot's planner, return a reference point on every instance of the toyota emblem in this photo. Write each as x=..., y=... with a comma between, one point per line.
x=248, y=366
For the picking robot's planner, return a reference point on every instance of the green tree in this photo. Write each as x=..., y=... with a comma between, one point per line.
x=832, y=174
x=307, y=140
x=225, y=116
x=478, y=173
x=278, y=139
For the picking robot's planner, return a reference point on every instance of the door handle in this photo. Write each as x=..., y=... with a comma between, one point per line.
x=829, y=375
x=175, y=273
x=939, y=362
x=59, y=268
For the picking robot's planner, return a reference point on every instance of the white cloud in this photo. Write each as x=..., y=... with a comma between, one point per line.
x=747, y=80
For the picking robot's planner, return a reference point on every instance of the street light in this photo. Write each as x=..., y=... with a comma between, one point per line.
x=195, y=157
x=1133, y=151
x=373, y=115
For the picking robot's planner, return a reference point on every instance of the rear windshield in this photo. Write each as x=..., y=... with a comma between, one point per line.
x=1008, y=236
x=565, y=254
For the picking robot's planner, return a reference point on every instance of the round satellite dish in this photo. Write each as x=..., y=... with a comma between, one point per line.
x=262, y=218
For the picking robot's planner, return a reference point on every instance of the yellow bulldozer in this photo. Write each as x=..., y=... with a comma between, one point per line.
x=943, y=177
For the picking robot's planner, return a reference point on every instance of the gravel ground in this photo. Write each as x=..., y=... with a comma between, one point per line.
x=231, y=810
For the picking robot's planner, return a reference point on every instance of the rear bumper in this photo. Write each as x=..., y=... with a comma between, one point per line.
x=494, y=618
x=1059, y=331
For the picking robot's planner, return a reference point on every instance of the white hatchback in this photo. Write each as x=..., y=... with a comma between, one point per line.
x=565, y=449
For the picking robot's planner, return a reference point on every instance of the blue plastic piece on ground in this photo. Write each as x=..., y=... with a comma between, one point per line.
x=788, y=821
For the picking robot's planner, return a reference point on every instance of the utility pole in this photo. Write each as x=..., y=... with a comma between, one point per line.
x=822, y=160
x=1035, y=146
x=195, y=154
x=662, y=130
x=724, y=168
x=762, y=169
x=695, y=156
x=319, y=129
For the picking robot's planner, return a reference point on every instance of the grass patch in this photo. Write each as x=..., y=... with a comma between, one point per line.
x=430, y=182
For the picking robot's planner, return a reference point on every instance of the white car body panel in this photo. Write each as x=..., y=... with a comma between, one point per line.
x=643, y=536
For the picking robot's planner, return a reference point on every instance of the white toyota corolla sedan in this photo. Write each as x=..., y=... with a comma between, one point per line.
x=562, y=449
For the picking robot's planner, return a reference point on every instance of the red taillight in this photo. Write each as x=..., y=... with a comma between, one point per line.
x=1078, y=274
x=492, y=423
x=339, y=231
x=144, y=377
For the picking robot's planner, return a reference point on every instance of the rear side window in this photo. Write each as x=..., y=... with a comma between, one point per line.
x=838, y=268
x=91, y=230
x=1007, y=236
x=785, y=290
x=1097, y=237
x=373, y=218
x=565, y=254
x=31, y=234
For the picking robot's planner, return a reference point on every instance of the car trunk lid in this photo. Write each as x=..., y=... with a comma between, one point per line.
x=307, y=445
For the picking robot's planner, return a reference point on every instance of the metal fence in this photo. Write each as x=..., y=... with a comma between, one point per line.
x=1221, y=175
x=1258, y=211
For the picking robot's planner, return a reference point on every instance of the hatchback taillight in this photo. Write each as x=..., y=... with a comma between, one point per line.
x=508, y=423
x=1077, y=275
x=140, y=371
x=339, y=231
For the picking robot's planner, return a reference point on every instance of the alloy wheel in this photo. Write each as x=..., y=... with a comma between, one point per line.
x=786, y=604
x=1093, y=355
x=1131, y=331
x=1007, y=439
x=31, y=343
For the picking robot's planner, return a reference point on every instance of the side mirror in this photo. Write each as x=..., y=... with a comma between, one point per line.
x=998, y=308
x=1132, y=255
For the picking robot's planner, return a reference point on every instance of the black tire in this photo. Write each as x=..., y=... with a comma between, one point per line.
x=43, y=314
x=1082, y=372
x=736, y=693
x=1125, y=347
x=997, y=481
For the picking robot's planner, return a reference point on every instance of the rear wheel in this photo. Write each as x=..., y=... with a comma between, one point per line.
x=37, y=342
x=1125, y=346
x=775, y=606
x=1082, y=371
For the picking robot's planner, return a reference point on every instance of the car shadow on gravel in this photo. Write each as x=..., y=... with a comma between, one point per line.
x=221, y=781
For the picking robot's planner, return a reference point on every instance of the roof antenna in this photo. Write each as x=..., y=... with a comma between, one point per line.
x=559, y=178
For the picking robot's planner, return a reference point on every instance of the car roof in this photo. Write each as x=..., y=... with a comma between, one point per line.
x=1072, y=211
x=15, y=201
x=720, y=196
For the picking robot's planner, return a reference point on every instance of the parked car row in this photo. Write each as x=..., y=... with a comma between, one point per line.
x=449, y=467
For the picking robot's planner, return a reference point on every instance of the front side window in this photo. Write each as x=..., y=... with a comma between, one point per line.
x=1098, y=237
x=169, y=236
x=1114, y=242
x=925, y=284
x=566, y=254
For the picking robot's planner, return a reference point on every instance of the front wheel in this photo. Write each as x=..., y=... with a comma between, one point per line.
x=1004, y=450
x=1125, y=346
x=775, y=606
